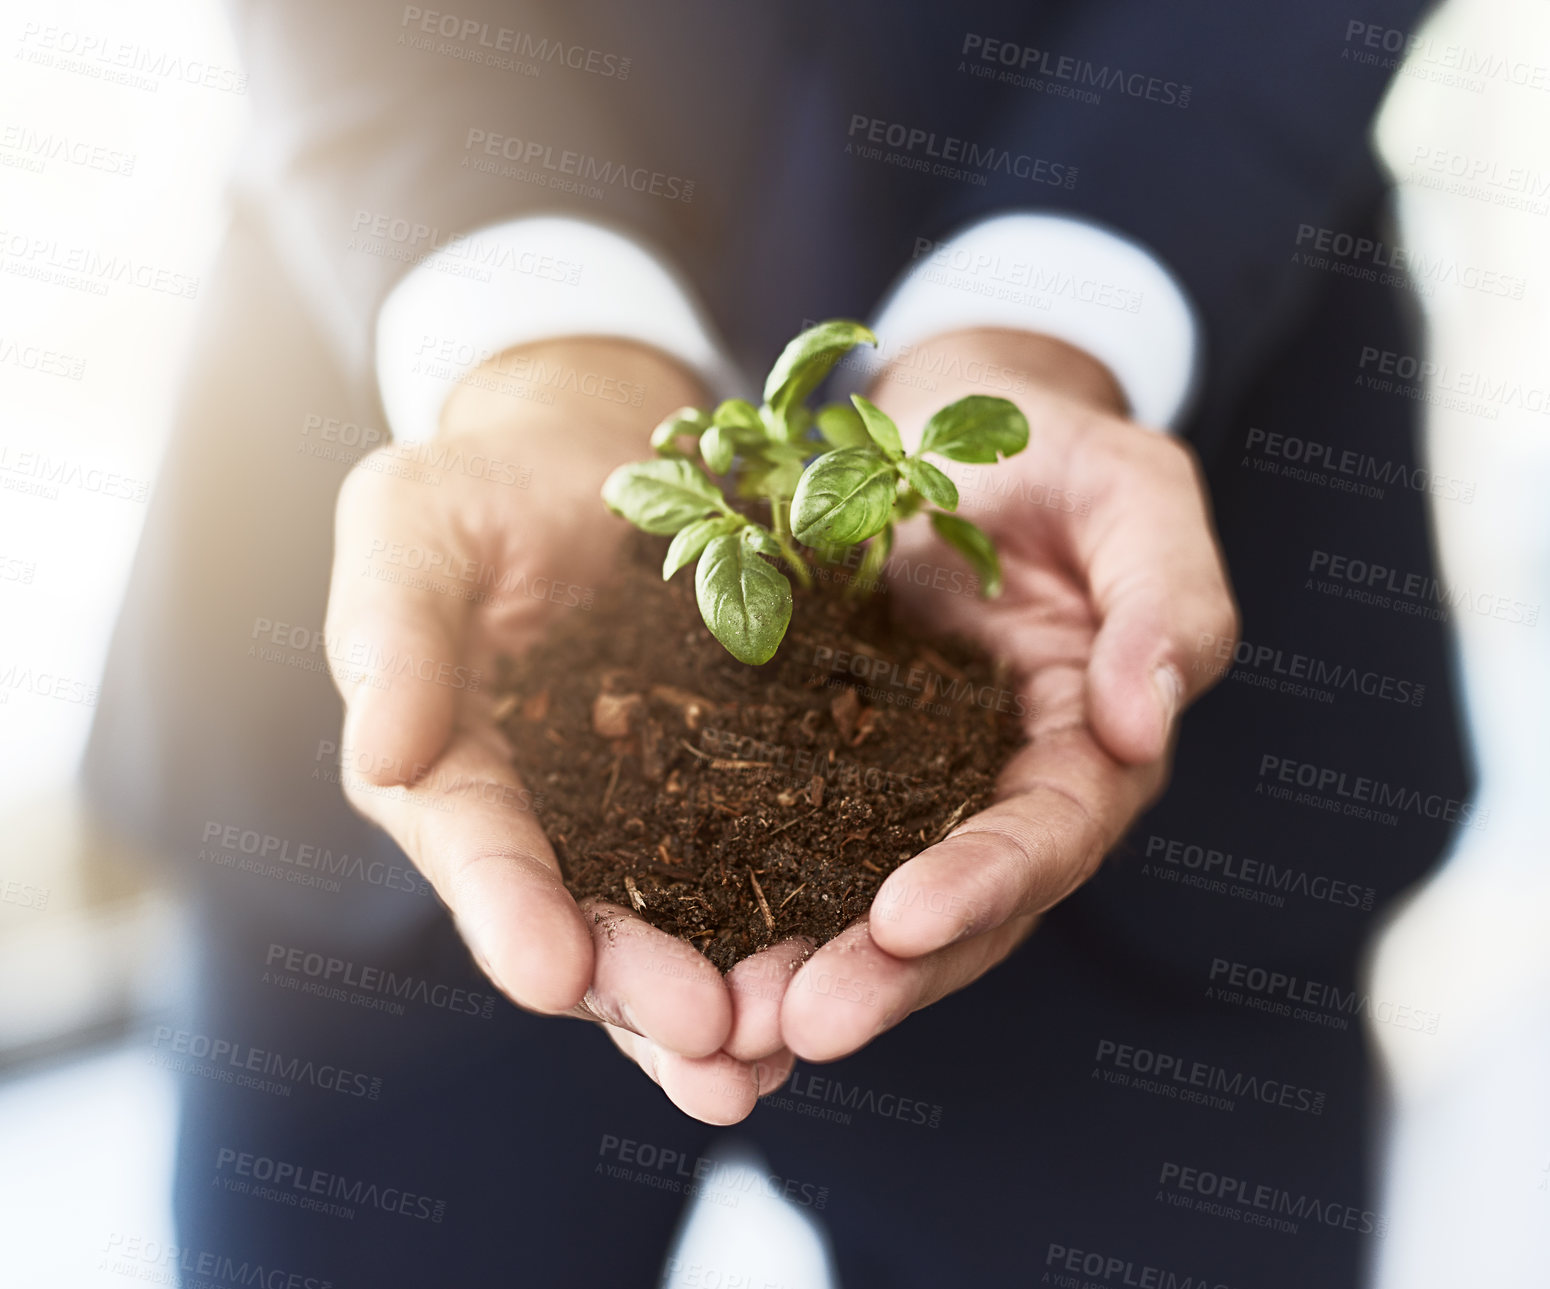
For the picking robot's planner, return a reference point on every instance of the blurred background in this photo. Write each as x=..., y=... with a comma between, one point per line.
x=111, y=206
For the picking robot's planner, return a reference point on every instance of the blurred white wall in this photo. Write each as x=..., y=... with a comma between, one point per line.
x=1467, y=1158
x=111, y=206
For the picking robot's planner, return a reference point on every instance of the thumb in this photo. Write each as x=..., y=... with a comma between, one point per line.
x=1161, y=593
x=391, y=639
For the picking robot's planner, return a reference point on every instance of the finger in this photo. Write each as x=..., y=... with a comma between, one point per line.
x=468, y=827
x=715, y=1089
x=394, y=635
x=851, y=990
x=1064, y=804
x=756, y=986
x=1160, y=587
x=655, y=984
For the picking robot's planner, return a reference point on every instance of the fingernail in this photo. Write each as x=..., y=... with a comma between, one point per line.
x=628, y=1016
x=1169, y=691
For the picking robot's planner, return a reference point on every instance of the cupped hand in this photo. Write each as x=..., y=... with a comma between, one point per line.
x=1112, y=580
x=446, y=557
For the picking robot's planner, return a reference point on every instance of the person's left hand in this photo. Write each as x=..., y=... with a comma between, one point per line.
x=1112, y=577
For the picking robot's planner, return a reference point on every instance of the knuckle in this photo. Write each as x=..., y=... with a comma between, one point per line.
x=359, y=793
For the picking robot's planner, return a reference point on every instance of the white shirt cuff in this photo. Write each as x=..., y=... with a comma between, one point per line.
x=1062, y=277
x=535, y=278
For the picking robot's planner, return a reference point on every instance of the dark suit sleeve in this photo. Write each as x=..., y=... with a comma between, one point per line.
x=1221, y=136
x=375, y=140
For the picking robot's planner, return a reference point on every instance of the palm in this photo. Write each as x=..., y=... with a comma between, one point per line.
x=1099, y=533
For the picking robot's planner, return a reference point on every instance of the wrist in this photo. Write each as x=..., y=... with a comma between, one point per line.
x=592, y=391
x=1005, y=363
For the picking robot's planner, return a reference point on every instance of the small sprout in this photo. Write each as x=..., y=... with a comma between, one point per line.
x=824, y=482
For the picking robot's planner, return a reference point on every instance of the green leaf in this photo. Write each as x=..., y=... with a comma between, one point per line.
x=771, y=469
x=744, y=599
x=691, y=540
x=976, y=429
x=974, y=546
x=843, y=497
x=842, y=426
x=717, y=450
x=759, y=539
x=738, y=413
x=686, y=420
x=660, y=496
x=808, y=358
x=880, y=426
x=930, y=483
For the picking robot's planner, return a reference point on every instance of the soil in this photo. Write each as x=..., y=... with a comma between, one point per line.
x=736, y=806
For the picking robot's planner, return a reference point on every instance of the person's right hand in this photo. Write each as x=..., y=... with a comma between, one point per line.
x=431, y=582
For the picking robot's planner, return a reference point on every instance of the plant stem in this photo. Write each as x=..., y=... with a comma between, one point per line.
x=872, y=562
x=798, y=564
x=781, y=524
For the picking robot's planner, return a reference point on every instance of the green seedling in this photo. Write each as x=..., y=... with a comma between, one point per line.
x=825, y=481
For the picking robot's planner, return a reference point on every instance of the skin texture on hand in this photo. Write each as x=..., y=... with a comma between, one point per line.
x=1111, y=574
x=446, y=575
x=1098, y=617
